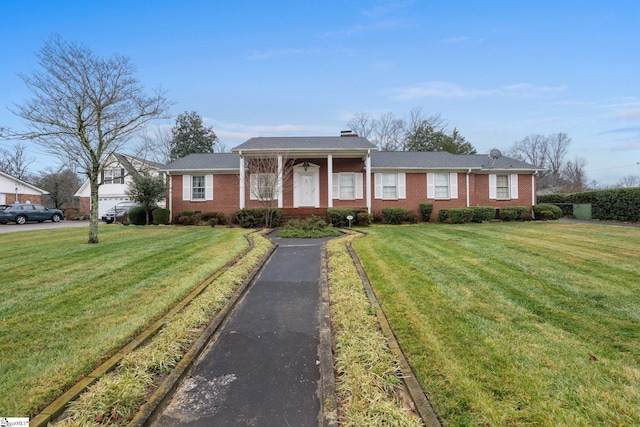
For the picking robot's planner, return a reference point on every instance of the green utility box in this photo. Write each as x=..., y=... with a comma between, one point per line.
x=582, y=210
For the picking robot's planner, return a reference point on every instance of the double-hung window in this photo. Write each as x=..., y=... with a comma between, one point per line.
x=442, y=186
x=198, y=187
x=264, y=186
x=113, y=176
x=503, y=186
x=348, y=186
x=390, y=186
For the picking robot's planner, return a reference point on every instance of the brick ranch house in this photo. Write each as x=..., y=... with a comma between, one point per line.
x=344, y=171
x=13, y=190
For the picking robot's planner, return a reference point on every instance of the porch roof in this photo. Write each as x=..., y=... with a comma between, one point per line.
x=341, y=145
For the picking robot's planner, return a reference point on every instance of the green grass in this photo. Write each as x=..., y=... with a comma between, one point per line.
x=367, y=373
x=66, y=306
x=510, y=324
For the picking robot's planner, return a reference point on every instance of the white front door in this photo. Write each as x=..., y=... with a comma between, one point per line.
x=307, y=189
x=306, y=186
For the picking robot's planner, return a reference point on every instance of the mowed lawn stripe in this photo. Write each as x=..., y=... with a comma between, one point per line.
x=503, y=328
x=71, y=305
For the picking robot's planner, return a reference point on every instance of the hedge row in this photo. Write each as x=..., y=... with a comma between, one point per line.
x=620, y=204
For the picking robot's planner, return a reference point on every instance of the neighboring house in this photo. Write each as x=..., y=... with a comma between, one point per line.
x=346, y=171
x=116, y=175
x=13, y=190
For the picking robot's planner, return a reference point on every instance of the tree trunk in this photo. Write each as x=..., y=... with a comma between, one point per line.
x=93, y=213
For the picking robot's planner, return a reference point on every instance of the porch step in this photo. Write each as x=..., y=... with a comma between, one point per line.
x=302, y=213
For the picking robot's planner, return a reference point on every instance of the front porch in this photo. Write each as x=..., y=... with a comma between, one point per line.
x=301, y=213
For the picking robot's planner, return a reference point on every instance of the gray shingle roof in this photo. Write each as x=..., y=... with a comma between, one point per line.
x=306, y=143
x=204, y=162
x=443, y=160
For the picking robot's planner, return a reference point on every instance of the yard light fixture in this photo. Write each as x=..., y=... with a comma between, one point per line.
x=305, y=165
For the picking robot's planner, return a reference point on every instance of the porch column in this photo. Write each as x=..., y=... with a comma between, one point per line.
x=241, y=181
x=368, y=180
x=330, y=180
x=280, y=183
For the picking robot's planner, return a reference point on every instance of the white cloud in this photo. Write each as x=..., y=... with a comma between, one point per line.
x=633, y=115
x=461, y=39
x=439, y=89
x=256, y=55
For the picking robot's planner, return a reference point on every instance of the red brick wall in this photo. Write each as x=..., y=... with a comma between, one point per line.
x=481, y=196
x=25, y=198
x=226, y=196
x=227, y=201
x=85, y=205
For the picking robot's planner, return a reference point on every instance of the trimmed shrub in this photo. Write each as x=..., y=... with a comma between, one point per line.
x=138, y=216
x=619, y=204
x=186, y=213
x=71, y=213
x=217, y=217
x=160, y=216
x=425, y=211
x=547, y=211
x=311, y=227
x=184, y=220
x=397, y=215
x=513, y=213
x=337, y=217
x=364, y=219
x=256, y=217
x=455, y=216
x=483, y=213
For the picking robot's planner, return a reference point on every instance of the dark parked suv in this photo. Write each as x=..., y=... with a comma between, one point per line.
x=20, y=213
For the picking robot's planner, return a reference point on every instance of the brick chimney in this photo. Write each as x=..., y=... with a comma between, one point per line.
x=348, y=133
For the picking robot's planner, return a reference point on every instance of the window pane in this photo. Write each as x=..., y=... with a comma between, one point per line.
x=197, y=187
x=389, y=186
x=266, y=185
x=347, y=186
x=442, y=185
x=502, y=186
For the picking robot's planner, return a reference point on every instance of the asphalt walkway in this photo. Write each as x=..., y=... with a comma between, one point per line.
x=262, y=368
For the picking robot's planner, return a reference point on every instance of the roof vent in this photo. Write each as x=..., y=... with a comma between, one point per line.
x=348, y=133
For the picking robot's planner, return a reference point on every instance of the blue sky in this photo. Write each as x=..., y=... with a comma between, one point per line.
x=496, y=70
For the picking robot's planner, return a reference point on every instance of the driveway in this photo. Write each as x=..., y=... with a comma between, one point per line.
x=11, y=227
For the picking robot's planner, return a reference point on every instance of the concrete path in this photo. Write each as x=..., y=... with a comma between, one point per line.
x=262, y=368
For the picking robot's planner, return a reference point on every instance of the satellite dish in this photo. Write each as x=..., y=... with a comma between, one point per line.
x=495, y=154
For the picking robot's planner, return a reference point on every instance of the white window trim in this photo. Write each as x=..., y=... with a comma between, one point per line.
x=358, y=191
x=401, y=186
x=513, y=187
x=254, y=193
x=186, y=188
x=431, y=186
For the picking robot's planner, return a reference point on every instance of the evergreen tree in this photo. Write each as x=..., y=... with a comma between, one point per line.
x=190, y=136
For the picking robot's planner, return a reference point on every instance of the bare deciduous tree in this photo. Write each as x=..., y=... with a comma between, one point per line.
x=545, y=151
x=85, y=108
x=15, y=162
x=629, y=181
x=269, y=177
x=574, y=175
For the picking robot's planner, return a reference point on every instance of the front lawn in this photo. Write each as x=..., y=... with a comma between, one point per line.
x=515, y=323
x=66, y=306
